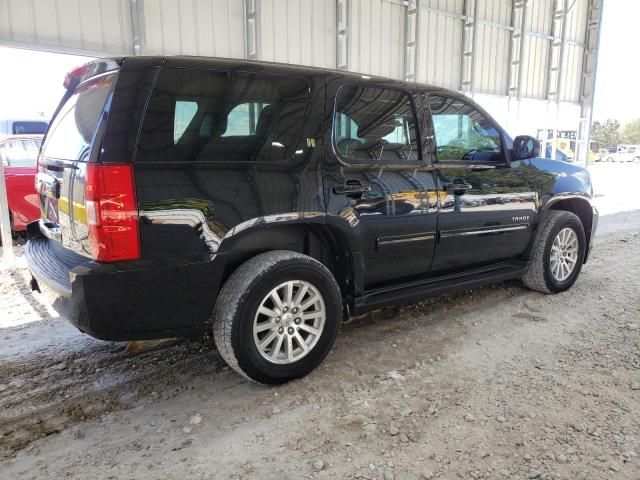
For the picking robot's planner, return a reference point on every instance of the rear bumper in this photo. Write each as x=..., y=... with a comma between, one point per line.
x=127, y=301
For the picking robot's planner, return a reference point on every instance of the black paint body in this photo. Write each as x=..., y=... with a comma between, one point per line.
x=389, y=231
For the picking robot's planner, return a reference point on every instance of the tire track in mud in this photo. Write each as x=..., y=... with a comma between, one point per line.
x=41, y=397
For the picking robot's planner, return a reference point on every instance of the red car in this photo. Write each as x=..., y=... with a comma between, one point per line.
x=18, y=154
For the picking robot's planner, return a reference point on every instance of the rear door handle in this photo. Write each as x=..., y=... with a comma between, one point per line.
x=350, y=189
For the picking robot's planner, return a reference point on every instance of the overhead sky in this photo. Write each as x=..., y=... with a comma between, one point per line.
x=618, y=66
x=31, y=82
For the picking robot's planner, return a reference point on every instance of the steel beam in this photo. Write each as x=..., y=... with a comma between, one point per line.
x=252, y=29
x=343, y=34
x=469, y=42
x=411, y=40
x=5, y=223
x=517, y=47
x=588, y=79
x=138, y=34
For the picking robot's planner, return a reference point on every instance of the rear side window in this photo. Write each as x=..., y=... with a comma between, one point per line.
x=375, y=125
x=20, y=153
x=200, y=115
x=463, y=133
x=72, y=130
x=28, y=128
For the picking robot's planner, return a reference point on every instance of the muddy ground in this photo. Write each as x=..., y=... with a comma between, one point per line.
x=498, y=382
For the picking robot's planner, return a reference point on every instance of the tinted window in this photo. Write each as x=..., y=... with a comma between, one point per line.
x=29, y=128
x=20, y=153
x=196, y=115
x=73, y=127
x=463, y=133
x=374, y=124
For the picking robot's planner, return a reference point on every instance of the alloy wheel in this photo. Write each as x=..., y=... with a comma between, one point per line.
x=289, y=322
x=564, y=254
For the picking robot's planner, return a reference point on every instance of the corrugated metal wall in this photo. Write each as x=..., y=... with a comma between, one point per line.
x=91, y=26
x=305, y=32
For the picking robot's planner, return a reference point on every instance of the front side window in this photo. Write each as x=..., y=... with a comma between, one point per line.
x=462, y=133
x=201, y=115
x=375, y=124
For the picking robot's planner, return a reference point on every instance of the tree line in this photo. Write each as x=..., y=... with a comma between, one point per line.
x=611, y=132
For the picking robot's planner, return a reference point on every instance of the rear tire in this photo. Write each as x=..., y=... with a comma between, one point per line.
x=558, y=253
x=248, y=313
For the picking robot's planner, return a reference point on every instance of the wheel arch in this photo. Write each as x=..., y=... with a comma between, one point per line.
x=580, y=206
x=314, y=238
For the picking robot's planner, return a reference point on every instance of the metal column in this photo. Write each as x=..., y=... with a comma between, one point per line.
x=138, y=35
x=517, y=47
x=411, y=38
x=5, y=224
x=588, y=79
x=251, y=29
x=556, y=50
x=343, y=34
x=469, y=41
x=555, y=64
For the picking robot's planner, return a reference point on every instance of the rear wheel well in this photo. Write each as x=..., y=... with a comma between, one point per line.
x=582, y=209
x=321, y=242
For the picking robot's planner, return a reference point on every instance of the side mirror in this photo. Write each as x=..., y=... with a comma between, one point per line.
x=525, y=147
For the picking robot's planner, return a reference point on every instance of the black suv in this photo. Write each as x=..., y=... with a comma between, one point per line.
x=269, y=202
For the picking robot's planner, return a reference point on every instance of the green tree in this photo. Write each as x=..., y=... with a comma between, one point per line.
x=606, y=133
x=631, y=132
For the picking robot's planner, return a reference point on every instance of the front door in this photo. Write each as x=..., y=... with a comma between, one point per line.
x=379, y=190
x=487, y=206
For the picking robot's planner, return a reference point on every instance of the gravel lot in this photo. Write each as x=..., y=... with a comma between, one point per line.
x=498, y=382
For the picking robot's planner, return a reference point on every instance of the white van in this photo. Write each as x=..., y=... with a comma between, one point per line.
x=627, y=153
x=29, y=126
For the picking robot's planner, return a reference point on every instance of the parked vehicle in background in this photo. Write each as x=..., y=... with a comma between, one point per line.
x=19, y=154
x=265, y=203
x=560, y=155
x=36, y=126
x=603, y=153
x=628, y=153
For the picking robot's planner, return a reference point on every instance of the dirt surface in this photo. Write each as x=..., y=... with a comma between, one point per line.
x=499, y=382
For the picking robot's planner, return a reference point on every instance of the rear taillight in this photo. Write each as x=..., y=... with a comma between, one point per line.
x=112, y=213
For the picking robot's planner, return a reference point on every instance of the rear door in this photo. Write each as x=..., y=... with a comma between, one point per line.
x=379, y=188
x=67, y=149
x=487, y=205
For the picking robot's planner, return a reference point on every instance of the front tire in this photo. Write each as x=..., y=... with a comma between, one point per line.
x=277, y=317
x=558, y=253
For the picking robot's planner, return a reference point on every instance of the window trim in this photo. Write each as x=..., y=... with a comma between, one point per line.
x=290, y=160
x=334, y=146
x=437, y=161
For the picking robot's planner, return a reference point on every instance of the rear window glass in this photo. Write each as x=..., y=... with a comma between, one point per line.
x=29, y=128
x=73, y=128
x=20, y=153
x=200, y=115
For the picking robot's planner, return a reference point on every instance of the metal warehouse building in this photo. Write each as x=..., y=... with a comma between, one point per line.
x=531, y=63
